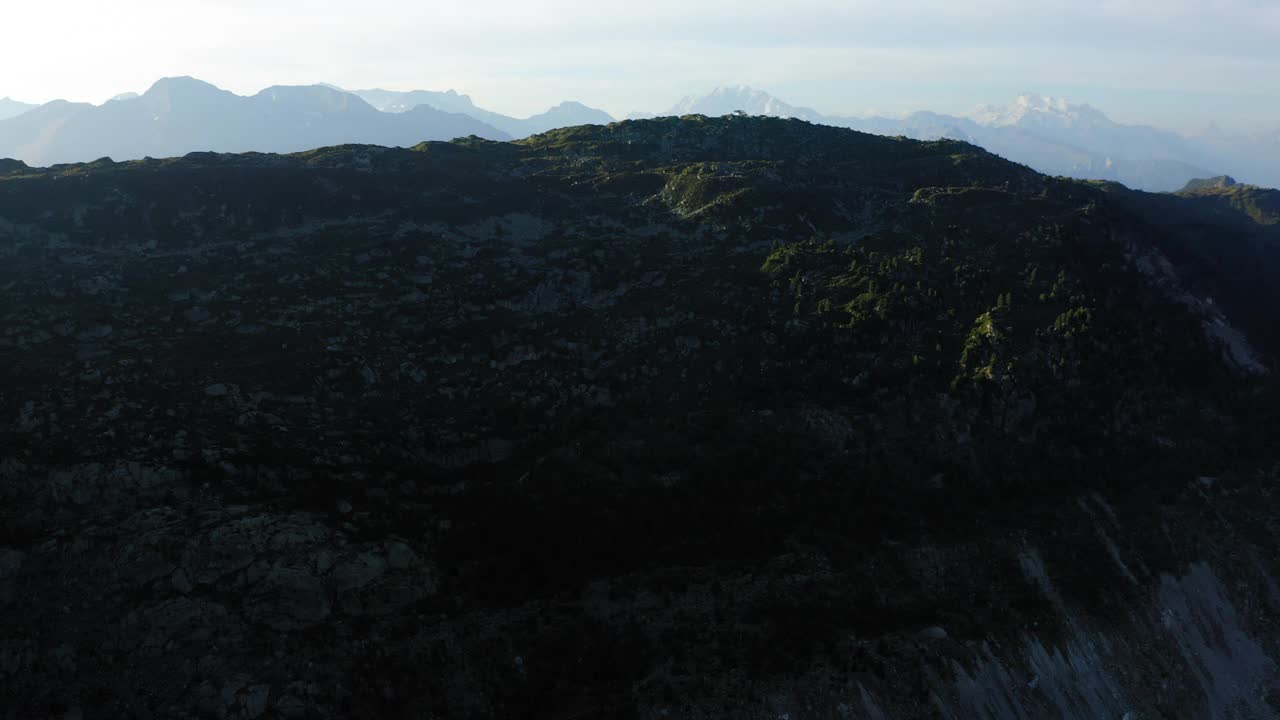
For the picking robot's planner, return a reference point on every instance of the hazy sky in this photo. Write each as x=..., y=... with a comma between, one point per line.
x=1175, y=63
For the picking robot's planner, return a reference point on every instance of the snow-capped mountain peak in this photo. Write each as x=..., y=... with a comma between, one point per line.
x=1034, y=109
x=730, y=99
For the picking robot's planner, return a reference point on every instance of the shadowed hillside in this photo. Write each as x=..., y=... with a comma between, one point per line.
x=687, y=417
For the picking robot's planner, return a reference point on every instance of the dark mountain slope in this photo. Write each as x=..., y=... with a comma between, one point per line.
x=1221, y=181
x=1261, y=205
x=685, y=417
x=1049, y=134
x=1225, y=238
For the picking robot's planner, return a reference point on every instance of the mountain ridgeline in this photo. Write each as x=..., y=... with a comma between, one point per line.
x=181, y=115
x=685, y=417
x=12, y=108
x=1049, y=134
x=566, y=114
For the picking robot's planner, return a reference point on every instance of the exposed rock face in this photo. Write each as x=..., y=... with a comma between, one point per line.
x=675, y=418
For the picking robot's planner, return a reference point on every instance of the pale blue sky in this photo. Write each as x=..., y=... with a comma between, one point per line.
x=1173, y=63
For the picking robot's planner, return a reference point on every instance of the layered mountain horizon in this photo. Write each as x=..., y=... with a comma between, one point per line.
x=181, y=115
x=566, y=114
x=12, y=108
x=1051, y=135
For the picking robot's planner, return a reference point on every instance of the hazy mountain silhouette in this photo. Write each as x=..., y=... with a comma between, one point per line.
x=1253, y=157
x=181, y=115
x=727, y=100
x=1050, y=135
x=565, y=114
x=12, y=108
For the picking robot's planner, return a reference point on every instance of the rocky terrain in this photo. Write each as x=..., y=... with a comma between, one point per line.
x=677, y=418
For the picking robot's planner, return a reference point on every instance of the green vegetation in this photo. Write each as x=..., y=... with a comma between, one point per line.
x=1260, y=204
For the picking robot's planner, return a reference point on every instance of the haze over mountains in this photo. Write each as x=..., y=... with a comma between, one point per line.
x=181, y=115
x=11, y=108
x=566, y=114
x=1050, y=135
x=726, y=100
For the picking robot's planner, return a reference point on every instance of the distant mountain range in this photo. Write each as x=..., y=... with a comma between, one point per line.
x=12, y=108
x=180, y=115
x=565, y=114
x=1050, y=135
x=727, y=100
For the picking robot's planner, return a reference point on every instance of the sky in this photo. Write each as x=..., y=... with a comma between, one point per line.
x=1179, y=64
